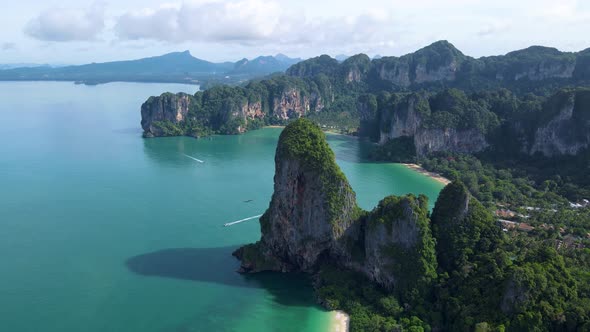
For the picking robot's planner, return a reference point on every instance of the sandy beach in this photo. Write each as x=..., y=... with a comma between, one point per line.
x=340, y=322
x=432, y=175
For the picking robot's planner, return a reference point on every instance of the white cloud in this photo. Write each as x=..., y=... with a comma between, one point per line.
x=251, y=22
x=232, y=29
x=242, y=21
x=61, y=25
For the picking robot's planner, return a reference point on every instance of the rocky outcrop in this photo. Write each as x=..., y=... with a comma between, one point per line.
x=313, y=218
x=437, y=62
x=405, y=119
x=568, y=131
x=396, y=72
x=402, y=73
x=535, y=63
x=402, y=120
x=168, y=107
x=394, y=234
x=546, y=70
x=450, y=140
x=323, y=64
x=442, y=62
x=293, y=104
x=229, y=110
x=312, y=205
x=355, y=68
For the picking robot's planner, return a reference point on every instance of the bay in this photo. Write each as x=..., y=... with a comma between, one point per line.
x=102, y=230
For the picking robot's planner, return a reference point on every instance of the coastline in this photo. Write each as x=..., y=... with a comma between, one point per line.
x=432, y=175
x=326, y=131
x=340, y=321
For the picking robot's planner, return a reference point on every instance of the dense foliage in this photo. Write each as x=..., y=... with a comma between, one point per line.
x=485, y=280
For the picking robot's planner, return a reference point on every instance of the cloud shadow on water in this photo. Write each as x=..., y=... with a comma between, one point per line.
x=216, y=265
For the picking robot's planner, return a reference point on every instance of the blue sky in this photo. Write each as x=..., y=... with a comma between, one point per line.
x=80, y=31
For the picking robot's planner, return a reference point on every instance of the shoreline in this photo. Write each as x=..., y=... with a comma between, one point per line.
x=326, y=131
x=340, y=321
x=435, y=176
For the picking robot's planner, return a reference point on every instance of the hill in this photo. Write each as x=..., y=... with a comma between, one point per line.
x=180, y=67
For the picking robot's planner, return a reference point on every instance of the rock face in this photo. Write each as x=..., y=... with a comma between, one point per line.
x=535, y=63
x=323, y=64
x=225, y=110
x=449, y=139
x=394, y=236
x=168, y=107
x=437, y=62
x=313, y=218
x=355, y=68
x=312, y=205
x=568, y=131
x=402, y=120
x=292, y=104
x=442, y=62
x=405, y=119
x=404, y=73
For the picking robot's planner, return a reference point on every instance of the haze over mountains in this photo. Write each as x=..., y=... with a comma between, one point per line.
x=438, y=62
x=180, y=67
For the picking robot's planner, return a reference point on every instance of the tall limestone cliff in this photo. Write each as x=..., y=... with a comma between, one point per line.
x=565, y=127
x=312, y=206
x=429, y=122
x=168, y=107
x=451, y=121
x=437, y=62
x=441, y=62
x=398, y=244
x=230, y=110
x=313, y=219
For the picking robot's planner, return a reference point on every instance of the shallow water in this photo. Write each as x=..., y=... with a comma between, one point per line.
x=102, y=230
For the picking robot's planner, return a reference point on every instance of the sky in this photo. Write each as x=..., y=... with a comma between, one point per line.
x=81, y=31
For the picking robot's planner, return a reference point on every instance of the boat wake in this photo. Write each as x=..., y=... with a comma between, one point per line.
x=241, y=220
x=193, y=158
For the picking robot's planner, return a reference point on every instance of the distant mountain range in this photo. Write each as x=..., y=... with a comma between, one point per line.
x=4, y=66
x=179, y=67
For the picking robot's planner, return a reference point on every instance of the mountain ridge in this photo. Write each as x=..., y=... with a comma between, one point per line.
x=178, y=67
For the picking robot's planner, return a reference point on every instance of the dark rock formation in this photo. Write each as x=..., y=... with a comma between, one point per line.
x=312, y=205
x=406, y=118
x=566, y=128
x=399, y=248
x=228, y=110
x=168, y=107
x=313, y=218
x=437, y=62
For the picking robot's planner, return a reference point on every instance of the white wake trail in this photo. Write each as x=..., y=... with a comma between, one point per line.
x=241, y=220
x=193, y=158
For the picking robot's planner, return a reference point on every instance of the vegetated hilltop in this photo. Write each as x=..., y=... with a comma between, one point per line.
x=399, y=267
x=436, y=99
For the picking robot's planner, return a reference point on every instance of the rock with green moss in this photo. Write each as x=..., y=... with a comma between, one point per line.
x=399, y=247
x=312, y=205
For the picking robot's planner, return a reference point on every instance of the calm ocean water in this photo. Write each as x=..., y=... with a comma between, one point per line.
x=102, y=230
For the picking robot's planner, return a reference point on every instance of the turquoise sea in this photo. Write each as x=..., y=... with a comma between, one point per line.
x=102, y=230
